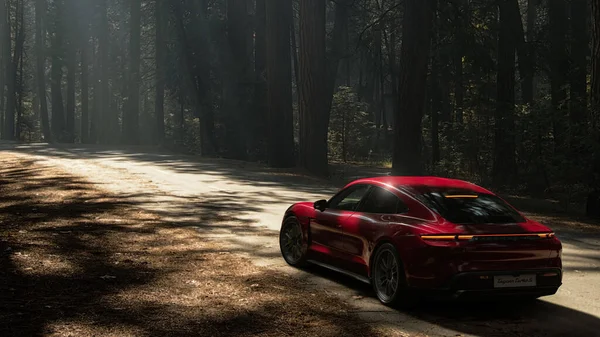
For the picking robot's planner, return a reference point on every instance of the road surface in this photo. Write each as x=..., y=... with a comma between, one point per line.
x=242, y=205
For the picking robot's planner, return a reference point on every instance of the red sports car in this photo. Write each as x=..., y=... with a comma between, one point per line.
x=412, y=236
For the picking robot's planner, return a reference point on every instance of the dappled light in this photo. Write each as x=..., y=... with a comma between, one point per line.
x=299, y=168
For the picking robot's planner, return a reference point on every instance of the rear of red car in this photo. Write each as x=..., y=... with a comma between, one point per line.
x=481, y=246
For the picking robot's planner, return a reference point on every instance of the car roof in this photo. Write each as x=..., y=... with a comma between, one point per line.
x=425, y=181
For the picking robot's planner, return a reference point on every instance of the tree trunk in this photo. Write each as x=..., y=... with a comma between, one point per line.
x=235, y=88
x=261, y=109
x=279, y=85
x=132, y=113
x=459, y=89
x=160, y=15
x=18, y=64
x=314, y=114
x=578, y=94
x=58, y=112
x=95, y=107
x=526, y=63
x=11, y=81
x=103, y=115
x=4, y=49
x=292, y=19
x=71, y=72
x=436, y=96
x=40, y=10
x=338, y=48
x=414, y=58
x=85, y=100
x=593, y=204
x=504, y=166
x=559, y=68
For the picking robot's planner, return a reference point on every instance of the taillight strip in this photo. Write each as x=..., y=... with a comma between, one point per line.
x=470, y=237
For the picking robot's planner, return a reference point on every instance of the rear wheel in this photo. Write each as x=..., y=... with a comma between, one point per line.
x=389, y=280
x=291, y=242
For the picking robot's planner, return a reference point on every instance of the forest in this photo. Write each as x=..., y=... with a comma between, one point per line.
x=504, y=93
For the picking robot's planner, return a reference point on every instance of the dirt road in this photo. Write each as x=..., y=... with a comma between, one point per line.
x=241, y=205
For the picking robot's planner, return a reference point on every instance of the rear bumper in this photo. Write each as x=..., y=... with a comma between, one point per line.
x=480, y=285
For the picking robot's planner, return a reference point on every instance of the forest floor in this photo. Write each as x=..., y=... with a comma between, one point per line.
x=80, y=261
x=101, y=241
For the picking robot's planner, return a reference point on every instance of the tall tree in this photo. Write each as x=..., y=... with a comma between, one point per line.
x=559, y=67
x=71, y=58
x=593, y=201
x=504, y=168
x=436, y=87
x=132, y=112
x=279, y=87
x=313, y=105
x=85, y=71
x=237, y=74
x=414, y=58
x=531, y=22
x=102, y=95
x=56, y=76
x=160, y=16
x=11, y=78
x=578, y=88
x=459, y=36
x=40, y=10
x=261, y=109
x=4, y=51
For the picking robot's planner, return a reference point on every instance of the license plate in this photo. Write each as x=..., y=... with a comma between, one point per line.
x=507, y=281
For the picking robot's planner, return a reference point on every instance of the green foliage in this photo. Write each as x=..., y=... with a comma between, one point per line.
x=350, y=127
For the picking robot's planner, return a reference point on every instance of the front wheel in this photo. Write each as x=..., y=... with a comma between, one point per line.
x=291, y=242
x=389, y=279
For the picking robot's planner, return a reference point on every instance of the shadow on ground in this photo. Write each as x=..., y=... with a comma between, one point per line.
x=509, y=318
x=35, y=302
x=77, y=262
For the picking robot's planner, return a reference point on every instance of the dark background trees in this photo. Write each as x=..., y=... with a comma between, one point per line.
x=503, y=93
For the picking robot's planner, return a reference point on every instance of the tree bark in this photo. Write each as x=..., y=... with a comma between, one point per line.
x=279, y=85
x=593, y=204
x=11, y=80
x=58, y=112
x=436, y=96
x=132, y=113
x=4, y=49
x=459, y=89
x=578, y=88
x=85, y=98
x=40, y=9
x=313, y=105
x=523, y=49
x=504, y=166
x=414, y=58
x=261, y=109
x=338, y=48
x=105, y=118
x=160, y=16
x=235, y=88
x=559, y=68
x=71, y=72
x=19, y=61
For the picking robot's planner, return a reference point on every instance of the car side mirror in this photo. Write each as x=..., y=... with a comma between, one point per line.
x=321, y=205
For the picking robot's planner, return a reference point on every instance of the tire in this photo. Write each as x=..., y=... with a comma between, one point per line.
x=389, y=279
x=292, y=243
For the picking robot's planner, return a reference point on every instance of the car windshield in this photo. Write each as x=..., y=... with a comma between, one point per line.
x=465, y=206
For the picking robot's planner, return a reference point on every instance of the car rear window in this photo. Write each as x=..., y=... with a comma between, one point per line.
x=465, y=206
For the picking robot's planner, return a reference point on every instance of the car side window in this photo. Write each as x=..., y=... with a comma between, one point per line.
x=382, y=201
x=349, y=199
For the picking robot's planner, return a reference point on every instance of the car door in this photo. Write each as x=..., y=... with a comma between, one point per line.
x=365, y=225
x=326, y=227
